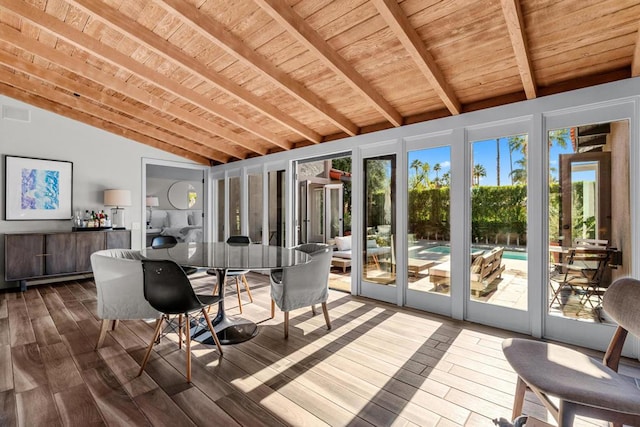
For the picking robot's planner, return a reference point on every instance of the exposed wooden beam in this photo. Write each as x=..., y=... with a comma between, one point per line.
x=515, y=25
x=156, y=128
x=282, y=13
x=77, y=114
x=408, y=36
x=82, y=41
x=635, y=63
x=121, y=23
x=215, y=32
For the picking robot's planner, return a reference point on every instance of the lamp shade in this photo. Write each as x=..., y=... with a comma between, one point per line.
x=152, y=201
x=117, y=198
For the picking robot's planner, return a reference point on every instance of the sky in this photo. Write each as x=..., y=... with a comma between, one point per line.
x=484, y=152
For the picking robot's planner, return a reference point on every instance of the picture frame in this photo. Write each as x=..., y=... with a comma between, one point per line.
x=37, y=189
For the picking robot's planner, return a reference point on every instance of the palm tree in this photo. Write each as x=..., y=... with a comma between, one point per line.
x=516, y=143
x=446, y=179
x=479, y=171
x=416, y=164
x=426, y=168
x=436, y=169
x=519, y=176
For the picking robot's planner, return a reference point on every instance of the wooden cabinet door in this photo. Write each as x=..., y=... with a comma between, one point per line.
x=61, y=253
x=24, y=256
x=87, y=242
x=118, y=239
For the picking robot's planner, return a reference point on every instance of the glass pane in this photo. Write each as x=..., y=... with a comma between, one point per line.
x=499, y=222
x=276, y=208
x=379, y=257
x=234, y=206
x=428, y=220
x=588, y=240
x=220, y=212
x=255, y=208
x=335, y=211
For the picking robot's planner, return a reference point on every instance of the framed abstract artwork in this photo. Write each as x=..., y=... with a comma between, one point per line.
x=37, y=189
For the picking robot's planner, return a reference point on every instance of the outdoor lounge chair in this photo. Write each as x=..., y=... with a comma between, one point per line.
x=485, y=268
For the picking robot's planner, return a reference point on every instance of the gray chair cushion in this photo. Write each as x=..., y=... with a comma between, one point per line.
x=570, y=375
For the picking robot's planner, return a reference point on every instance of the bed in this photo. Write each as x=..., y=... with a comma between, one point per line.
x=184, y=225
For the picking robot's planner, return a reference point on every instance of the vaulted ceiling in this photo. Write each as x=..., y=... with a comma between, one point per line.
x=217, y=81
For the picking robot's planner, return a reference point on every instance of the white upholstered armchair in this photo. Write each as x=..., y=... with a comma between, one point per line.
x=119, y=284
x=303, y=285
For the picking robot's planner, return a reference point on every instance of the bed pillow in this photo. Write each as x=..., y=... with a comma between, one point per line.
x=343, y=243
x=158, y=219
x=177, y=218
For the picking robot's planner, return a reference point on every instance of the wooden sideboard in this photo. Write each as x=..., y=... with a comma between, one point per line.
x=29, y=256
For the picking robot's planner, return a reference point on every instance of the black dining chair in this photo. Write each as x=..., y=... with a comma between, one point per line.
x=238, y=275
x=166, y=242
x=168, y=290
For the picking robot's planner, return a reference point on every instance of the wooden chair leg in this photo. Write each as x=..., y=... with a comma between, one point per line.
x=518, y=399
x=104, y=326
x=313, y=309
x=238, y=292
x=159, y=323
x=213, y=331
x=246, y=286
x=286, y=324
x=187, y=342
x=325, y=311
x=115, y=324
x=273, y=309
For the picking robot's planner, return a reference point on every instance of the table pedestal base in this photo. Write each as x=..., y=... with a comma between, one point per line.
x=229, y=331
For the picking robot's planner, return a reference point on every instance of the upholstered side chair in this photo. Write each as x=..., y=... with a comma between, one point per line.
x=119, y=284
x=584, y=386
x=303, y=285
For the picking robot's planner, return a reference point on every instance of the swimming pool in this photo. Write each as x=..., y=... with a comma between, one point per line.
x=506, y=254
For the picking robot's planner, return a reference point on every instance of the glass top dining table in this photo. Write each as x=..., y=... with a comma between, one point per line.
x=222, y=257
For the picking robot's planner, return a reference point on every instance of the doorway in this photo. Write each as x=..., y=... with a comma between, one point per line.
x=324, y=211
x=175, y=201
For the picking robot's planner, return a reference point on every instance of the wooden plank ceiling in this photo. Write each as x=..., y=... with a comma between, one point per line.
x=218, y=80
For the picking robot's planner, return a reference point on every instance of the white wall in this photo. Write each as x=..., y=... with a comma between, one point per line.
x=101, y=160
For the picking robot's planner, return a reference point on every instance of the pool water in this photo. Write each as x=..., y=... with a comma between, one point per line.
x=506, y=254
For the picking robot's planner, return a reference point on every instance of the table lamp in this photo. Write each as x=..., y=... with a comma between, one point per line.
x=151, y=202
x=117, y=198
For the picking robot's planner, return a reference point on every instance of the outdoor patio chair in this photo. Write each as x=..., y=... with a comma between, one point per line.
x=583, y=274
x=584, y=386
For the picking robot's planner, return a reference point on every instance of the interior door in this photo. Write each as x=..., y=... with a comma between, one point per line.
x=333, y=214
x=316, y=216
x=585, y=183
x=303, y=211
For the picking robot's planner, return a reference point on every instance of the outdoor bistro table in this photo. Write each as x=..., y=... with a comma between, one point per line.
x=221, y=257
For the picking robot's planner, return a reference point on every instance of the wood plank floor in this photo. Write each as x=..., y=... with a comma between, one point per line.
x=380, y=365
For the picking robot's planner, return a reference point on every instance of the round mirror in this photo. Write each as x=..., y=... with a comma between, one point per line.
x=182, y=195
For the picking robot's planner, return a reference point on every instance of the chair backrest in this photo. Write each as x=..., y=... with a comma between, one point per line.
x=621, y=302
x=119, y=285
x=239, y=240
x=162, y=242
x=167, y=287
x=603, y=243
x=593, y=258
x=487, y=263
